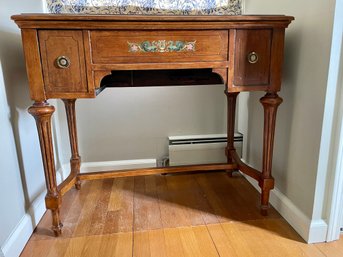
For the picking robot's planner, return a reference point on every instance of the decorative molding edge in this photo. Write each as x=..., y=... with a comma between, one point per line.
x=21, y=234
x=317, y=231
x=312, y=231
x=331, y=147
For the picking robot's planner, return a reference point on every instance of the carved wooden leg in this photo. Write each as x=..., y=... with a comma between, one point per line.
x=42, y=113
x=270, y=103
x=75, y=160
x=231, y=113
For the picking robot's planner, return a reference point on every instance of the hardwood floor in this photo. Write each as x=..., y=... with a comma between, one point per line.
x=205, y=214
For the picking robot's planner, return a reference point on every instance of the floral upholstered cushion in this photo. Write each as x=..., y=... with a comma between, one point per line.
x=153, y=7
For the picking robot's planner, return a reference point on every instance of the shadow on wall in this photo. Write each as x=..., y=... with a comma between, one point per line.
x=24, y=131
x=283, y=122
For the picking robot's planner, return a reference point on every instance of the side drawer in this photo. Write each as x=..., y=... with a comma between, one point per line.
x=158, y=46
x=252, y=57
x=63, y=63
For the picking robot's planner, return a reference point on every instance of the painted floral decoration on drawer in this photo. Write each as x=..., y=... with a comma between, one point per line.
x=152, y=7
x=162, y=46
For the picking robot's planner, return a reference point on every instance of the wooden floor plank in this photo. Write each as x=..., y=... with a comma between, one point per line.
x=157, y=243
x=189, y=195
x=173, y=243
x=91, y=246
x=205, y=242
x=285, y=235
x=271, y=231
x=170, y=216
x=98, y=218
x=59, y=248
x=333, y=249
x=85, y=218
x=183, y=196
x=173, y=215
x=37, y=248
x=218, y=202
x=154, y=212
x=70, y=221
x=310, y=250
x=124, y=245
x=147, y=215
x=116, y=196
x=141, y=215
x=141, y=245
x=108, y=245
x=75, y=247
x=120, y=208
x=222, y=243
x=202, y=202
x=238, y=240
x=189, y=242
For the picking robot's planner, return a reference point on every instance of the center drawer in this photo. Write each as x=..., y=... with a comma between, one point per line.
x=149, y=46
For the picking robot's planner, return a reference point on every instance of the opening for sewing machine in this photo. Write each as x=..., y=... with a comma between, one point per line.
x=144, y=78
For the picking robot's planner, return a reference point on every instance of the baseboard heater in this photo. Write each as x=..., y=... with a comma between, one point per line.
x=200, y=149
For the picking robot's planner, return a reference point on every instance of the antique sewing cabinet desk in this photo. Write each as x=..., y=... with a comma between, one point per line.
x=76, y=56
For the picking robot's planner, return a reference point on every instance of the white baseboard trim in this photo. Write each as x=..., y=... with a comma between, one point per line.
x=318, y=231
x=87, y=167
x=117, y=165
x=312, y=231
x=21, y=234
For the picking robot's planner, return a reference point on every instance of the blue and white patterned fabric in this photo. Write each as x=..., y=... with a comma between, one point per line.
x=149, y=7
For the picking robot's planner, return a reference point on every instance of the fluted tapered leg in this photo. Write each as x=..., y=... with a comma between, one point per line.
x=75, y=160
x=231, y=113
x=270, y=102
x=42, y=113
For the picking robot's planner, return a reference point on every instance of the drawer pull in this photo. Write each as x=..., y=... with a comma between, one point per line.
x=63, y=62
x=252, y=57
x=162, y=46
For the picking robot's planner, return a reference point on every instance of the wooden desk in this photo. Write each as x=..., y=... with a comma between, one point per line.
x=75, y=56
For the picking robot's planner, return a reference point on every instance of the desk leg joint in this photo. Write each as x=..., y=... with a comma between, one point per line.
x=42, y=113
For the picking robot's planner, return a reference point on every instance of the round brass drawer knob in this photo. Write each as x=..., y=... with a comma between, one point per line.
x=252, y=57
x=63, y=62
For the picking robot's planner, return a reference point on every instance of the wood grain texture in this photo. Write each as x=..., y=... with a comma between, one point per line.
x=231, y=114
x=259, y=42
x=66, y=56
x=212, y=18
x=270, y=102
x=75, y=160
x=69, y=44
x=33, y=64
x=158, y=170
x=113, y=46
x=244, y=235
x=42, y=113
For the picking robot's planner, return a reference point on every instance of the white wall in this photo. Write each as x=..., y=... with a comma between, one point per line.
x=134, y=123
x=21, y=174
x=299, y=121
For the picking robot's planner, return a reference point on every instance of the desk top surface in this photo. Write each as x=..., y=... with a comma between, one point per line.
x=103, y=17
